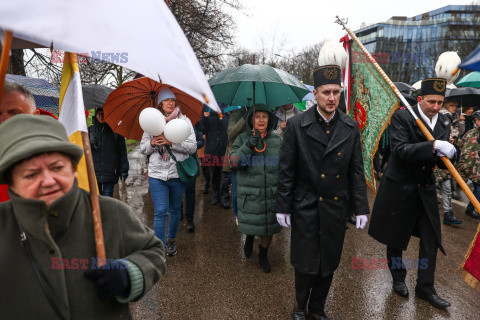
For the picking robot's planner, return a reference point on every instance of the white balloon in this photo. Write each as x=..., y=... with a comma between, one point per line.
x=177, y=130
x=152, y=121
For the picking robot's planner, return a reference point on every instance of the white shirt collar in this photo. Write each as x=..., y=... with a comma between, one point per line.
x=430, y=122
x=321, y=115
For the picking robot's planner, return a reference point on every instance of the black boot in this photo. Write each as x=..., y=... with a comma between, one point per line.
x=471, y=211
x=206, y=187
x=263, y=259
x=248, y=247
x=449, y=219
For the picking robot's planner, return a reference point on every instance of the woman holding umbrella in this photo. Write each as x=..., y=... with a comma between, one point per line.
x=255, y=156
x=165, y=186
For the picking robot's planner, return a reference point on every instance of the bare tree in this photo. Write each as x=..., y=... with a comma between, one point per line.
x=15, y=64
x=303, y=64
x=41, y=63
x=208, y=27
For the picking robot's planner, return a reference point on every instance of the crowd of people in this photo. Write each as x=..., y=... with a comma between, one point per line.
x=280, y=168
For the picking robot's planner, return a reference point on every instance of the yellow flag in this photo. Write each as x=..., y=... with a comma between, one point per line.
x=72, y=111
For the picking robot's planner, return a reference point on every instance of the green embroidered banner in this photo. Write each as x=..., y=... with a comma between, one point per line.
x=371, y=102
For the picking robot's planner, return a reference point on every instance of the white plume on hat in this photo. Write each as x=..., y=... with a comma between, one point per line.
x=447, y=63
x=332, y=53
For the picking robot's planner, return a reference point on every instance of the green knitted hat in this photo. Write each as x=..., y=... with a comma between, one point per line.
x=25, y=135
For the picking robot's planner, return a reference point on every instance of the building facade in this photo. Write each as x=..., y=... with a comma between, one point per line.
x=408, y=48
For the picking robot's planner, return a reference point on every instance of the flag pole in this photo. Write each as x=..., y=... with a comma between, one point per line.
x=96, y=215
x=428, y=135
x=7, y=44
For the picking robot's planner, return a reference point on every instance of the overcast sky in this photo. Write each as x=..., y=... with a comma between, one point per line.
x=301, y=23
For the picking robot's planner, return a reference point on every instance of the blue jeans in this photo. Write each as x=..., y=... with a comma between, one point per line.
x=233, y=180
x=167, y=198
x=106, y=189
x=190, y=200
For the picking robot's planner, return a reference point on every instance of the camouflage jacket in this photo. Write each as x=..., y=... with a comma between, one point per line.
x=469, y=164
x=443, y=174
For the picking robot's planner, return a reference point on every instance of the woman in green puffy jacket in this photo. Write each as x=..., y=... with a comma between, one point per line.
x=255, y=157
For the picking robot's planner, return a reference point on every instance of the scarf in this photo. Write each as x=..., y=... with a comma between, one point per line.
x=162, y=150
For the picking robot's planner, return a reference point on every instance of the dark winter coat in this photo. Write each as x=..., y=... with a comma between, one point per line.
x=64, y=230
x=215, y=131
x=408, y=176
x=200, y=143
x=109, y=153
x=257, y=181
x=321, y=183
x=236, y=126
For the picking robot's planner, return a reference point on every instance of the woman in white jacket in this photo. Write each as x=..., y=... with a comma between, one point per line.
x=165, y=186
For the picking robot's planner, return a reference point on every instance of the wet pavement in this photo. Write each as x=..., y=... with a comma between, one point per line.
x=209, y=278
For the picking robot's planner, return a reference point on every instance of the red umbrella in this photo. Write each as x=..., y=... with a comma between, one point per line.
x=123, y=105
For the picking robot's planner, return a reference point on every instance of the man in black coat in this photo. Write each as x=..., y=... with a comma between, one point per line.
x=216, y=141
x=406, y=203
x=109, y=154
x=321, y=182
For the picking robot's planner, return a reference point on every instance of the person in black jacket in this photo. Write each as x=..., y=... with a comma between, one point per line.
x=406, y=202
x=109, y=154
x=321, y=182
x=215, y=130
x=190, y=188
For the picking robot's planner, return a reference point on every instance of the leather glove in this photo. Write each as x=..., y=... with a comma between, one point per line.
x=444, y=149
x=123, y=176
x=283, y=219
x=253, y=141
x=361, y=221
x=110, y=280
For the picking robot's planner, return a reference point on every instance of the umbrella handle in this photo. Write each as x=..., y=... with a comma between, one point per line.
x=264, y=145
x=263, y=149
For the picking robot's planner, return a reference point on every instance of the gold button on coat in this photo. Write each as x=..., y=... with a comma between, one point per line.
x=322, y=176
x=320, y=199
x=338, y=176
x=339, y=154
x=336, y=199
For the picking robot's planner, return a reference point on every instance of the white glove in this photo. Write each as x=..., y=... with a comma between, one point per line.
x=283, y=219
x=444, y=149
x=361, y=221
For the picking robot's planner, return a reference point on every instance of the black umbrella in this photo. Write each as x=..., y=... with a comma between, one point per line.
x=404, y=87
x=466, y=97
x=94, y=95
x=410, y=99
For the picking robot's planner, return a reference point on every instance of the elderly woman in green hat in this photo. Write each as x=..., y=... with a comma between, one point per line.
x=47, y=256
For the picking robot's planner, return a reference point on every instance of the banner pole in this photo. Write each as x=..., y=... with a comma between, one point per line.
x=7, y=44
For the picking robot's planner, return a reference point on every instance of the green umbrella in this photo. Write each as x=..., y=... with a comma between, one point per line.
x=301, y=105
x=470, y=80
x=273, y=87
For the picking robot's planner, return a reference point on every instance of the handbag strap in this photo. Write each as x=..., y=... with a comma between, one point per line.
x=171, y=153
x=41, y=277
